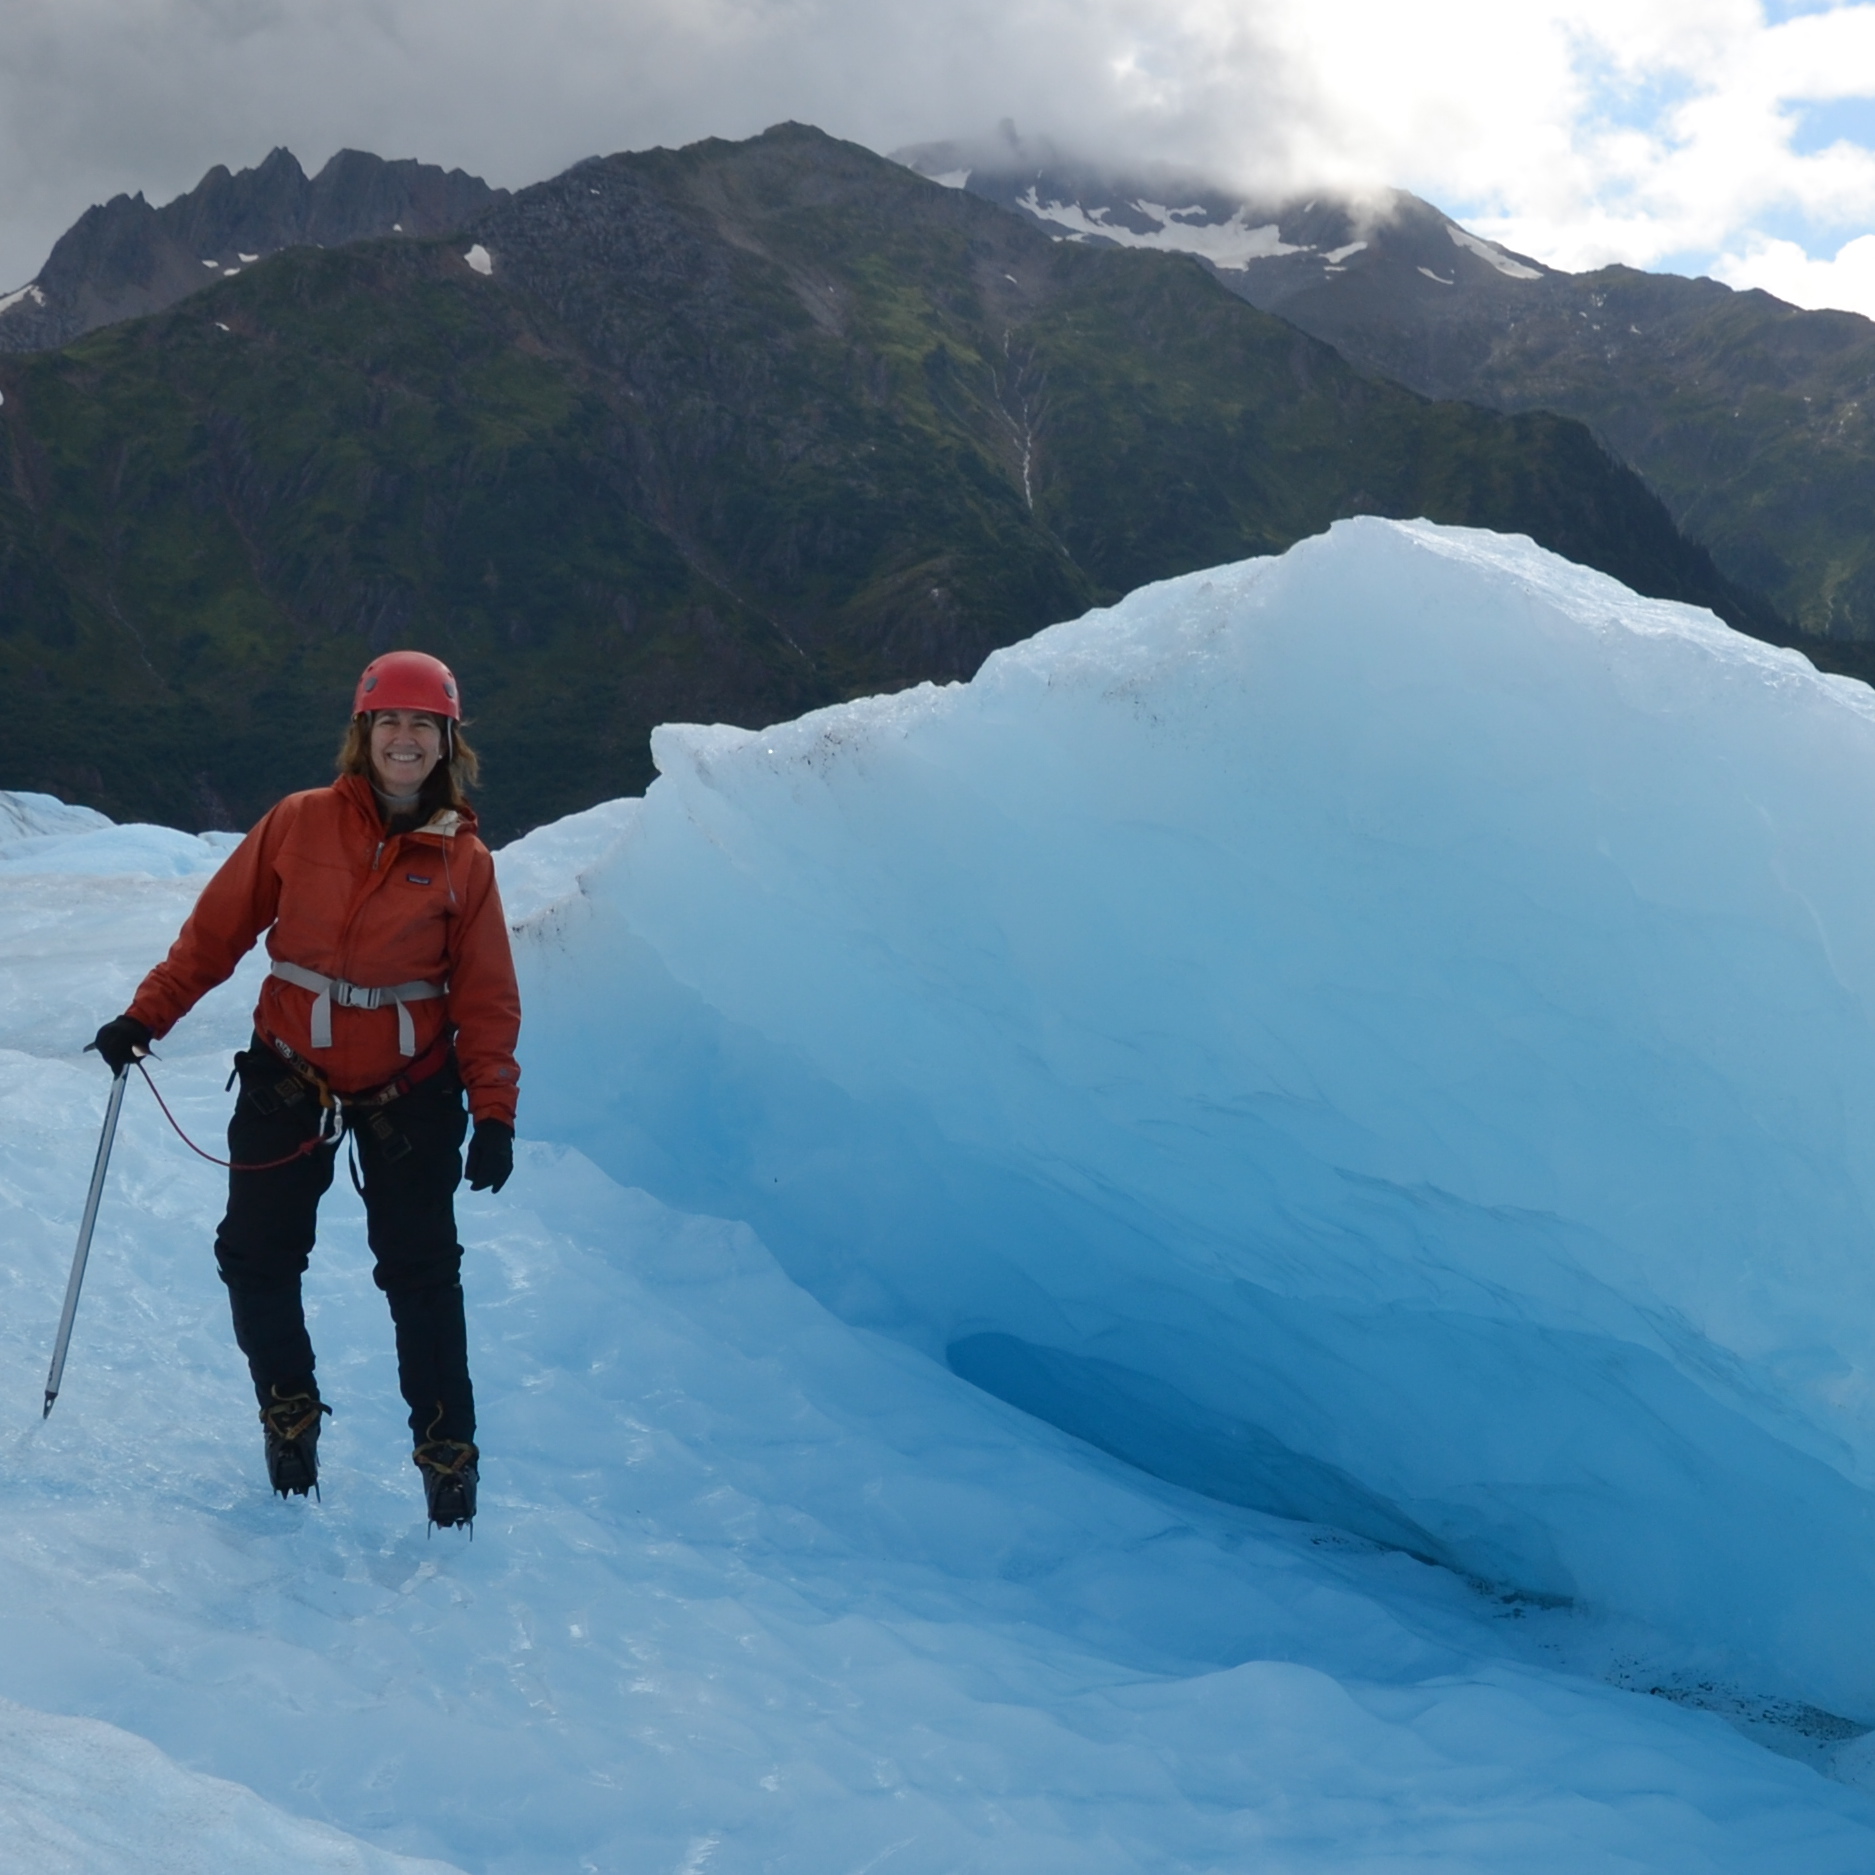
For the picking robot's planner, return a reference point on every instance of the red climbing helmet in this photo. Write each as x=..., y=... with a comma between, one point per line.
x=408, y=680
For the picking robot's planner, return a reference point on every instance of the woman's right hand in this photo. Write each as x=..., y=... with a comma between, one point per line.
x=121, y=1041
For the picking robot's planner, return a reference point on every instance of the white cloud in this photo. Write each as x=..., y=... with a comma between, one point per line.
x=98, y=96
x=1589, y=131
x=1592, y=132
x=1579, y=131
x=1847, y=280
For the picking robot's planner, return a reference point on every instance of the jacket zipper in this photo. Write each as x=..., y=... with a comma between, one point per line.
x=358, y=904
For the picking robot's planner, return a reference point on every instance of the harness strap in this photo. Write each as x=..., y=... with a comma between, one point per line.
x=432, y=1061
x=330, y=990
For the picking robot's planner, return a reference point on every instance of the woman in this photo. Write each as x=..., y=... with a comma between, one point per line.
x=392, y=991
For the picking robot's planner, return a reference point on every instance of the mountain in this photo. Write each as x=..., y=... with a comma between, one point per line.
x=1752, y=420
x=720, y=433
x=125, y=258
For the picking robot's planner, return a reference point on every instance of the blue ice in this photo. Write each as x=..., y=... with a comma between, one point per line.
x=1217, y=1250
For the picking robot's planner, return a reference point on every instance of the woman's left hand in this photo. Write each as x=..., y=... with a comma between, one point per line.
x=491, y=1156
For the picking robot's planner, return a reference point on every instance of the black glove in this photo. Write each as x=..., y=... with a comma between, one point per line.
x=121, y=1041
x=491, y=1155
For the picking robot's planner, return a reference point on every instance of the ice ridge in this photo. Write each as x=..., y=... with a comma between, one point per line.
x=1381, y=1035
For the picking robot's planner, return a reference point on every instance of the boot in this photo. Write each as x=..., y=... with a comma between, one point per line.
x=449, y=1480
x=290, y=1425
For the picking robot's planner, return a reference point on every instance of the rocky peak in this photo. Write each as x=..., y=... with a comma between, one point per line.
x=124, y=258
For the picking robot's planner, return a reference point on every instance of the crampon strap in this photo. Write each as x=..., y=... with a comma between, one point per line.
x=290, y=1417
x=445, y=1457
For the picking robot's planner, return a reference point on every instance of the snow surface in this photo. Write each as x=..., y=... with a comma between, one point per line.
x=1231, y=244
x=1515, y=269
x=40, y=834
x=1349, y=1026
x=26, y=816
x=479, y=259
x=81, y=1798
x=29, y=291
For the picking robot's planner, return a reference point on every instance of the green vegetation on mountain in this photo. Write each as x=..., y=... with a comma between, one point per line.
x=726, y=433
x=1752, y=420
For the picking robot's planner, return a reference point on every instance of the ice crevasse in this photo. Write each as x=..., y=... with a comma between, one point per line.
x=1384, y=1035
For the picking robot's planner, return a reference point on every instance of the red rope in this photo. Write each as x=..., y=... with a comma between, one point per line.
x=312, y=1145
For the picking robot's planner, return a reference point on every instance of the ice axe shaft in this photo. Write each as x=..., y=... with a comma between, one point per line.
x=57, y=1373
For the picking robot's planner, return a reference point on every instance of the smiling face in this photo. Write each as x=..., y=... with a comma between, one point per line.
x=405, y=746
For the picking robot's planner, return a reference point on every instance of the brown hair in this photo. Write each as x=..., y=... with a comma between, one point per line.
x=447, y=784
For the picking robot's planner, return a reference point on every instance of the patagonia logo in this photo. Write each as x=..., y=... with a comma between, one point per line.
x=414, y=878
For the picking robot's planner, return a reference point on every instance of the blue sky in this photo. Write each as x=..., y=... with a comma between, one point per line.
x=1730, y=137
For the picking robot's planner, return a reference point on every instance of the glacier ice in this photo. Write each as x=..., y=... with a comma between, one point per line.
x=1380, y=1035
x=40, y=834
x=1084, y=1035
x=81, y=1798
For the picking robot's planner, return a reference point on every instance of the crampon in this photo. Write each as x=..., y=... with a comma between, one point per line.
x=290, y=1424
x=449, y=1480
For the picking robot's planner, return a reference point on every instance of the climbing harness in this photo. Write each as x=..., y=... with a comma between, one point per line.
x=329, y=990
x=336, y=1110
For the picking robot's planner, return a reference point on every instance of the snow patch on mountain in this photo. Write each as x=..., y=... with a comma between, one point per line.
x=1231, y=244
x=1513, y=269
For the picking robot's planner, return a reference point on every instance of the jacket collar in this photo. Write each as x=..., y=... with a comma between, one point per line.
x=445, y=824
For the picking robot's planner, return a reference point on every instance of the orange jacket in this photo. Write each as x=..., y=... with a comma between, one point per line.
x=336, y=894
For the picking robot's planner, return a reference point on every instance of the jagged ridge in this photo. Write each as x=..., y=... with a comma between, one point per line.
x=124, y=259
x=721, y=434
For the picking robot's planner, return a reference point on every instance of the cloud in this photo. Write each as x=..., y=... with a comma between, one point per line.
x=1783, y=268
x=1648, y=131
x=1652, y=131
x=98, y=96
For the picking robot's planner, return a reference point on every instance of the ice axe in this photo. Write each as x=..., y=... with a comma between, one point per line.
x=118, y=1083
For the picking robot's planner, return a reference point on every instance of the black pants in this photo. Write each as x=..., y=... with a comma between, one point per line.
x=410, y=1155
